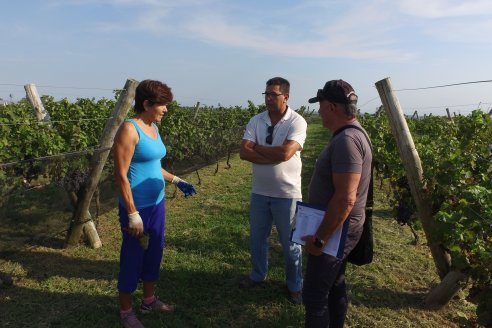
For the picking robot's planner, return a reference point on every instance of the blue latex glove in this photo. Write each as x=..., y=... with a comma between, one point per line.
x=187, y=188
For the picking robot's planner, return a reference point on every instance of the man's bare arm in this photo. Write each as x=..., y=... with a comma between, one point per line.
x=279, y=153
x=248, y=153
x=338, y=209
x=340, y=204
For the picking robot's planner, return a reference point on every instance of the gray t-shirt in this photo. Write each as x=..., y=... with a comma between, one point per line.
x=347, y=152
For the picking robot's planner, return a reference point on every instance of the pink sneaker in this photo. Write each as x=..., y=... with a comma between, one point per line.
x=156, y=306
x=130, y=321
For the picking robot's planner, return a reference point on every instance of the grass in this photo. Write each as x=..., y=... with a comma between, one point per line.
x=205, y=254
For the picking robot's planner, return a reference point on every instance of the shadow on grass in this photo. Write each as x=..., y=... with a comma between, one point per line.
x=47, y=241
x=201, y=299
x=54, y=290
x=205, y=299
x=25, y=307
x=41, y=266
x=385, y=298
x=383, y=213
x=41, y=217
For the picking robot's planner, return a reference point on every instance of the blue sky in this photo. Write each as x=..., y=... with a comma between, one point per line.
x=223, y=51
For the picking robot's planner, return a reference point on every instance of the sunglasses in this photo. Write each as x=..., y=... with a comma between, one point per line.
x=272, y=94
x=269, y=138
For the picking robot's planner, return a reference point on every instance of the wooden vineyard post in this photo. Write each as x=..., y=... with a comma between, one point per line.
x=448, y=287
x=449, y=114
x=44, y=116
x=196, y=110
x=80, y=223
x=414, y=172
x=33, y=97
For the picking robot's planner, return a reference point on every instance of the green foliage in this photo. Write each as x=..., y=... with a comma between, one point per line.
x=308, y=115
x=204, y=134
x=205, y=254
x=464, y=185
x=456, y=159
x=22, y=138
x=190, y=135
x=385, y=153
x=74, y=127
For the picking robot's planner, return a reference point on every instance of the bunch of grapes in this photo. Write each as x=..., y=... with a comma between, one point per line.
x=74, y=180
x=404, y=207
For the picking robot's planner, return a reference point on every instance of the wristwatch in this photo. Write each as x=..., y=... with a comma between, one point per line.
x=320, y=243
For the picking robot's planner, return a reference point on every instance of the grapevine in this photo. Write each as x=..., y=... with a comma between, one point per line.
x=456, y=158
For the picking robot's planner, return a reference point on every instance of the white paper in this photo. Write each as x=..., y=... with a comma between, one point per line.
x=308, y=220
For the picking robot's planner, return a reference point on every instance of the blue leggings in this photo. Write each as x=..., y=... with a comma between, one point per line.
x=135, y=262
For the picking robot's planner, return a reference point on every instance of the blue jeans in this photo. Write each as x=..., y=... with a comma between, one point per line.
x=265, y=211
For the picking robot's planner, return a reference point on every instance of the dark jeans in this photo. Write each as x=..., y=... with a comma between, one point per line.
x=324, y=292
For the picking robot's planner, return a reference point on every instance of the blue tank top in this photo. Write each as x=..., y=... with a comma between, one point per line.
x=145, y=173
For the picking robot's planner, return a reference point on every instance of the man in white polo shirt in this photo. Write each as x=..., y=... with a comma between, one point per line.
x=273, y=142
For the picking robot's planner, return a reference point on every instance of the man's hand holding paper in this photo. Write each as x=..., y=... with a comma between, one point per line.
x=308, y=219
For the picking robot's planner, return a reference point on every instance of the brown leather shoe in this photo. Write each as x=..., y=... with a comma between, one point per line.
x=295, y=297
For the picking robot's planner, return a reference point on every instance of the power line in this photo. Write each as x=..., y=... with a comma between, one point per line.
x=370, y=100
x=450, y=106
x=444, y=85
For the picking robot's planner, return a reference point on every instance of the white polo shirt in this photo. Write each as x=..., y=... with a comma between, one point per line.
x=282, y=180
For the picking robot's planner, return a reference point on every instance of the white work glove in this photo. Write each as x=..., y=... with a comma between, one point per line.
x=135, y=224
x=187, y=188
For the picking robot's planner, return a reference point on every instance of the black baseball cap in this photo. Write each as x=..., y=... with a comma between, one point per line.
x=337, y=91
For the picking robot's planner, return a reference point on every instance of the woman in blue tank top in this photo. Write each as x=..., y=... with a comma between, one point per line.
x=138, y=150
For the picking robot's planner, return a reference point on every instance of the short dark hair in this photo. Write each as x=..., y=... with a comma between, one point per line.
x=154, y=91
x=280, y=81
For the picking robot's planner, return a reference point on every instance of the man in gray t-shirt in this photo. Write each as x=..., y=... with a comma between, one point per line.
x=340, y=183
